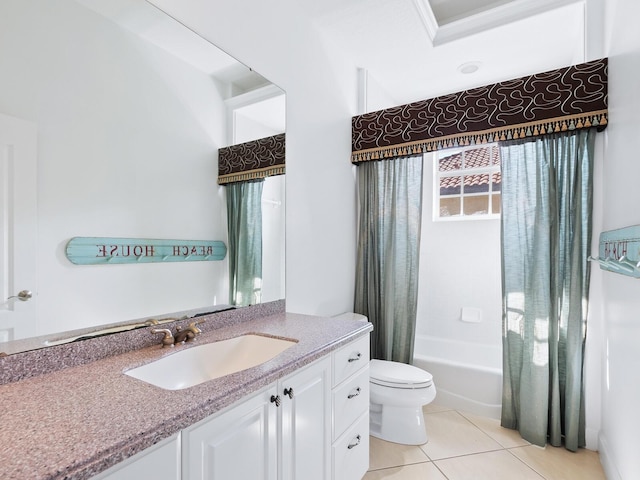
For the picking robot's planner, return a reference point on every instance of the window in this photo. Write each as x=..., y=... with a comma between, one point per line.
x=467, y=182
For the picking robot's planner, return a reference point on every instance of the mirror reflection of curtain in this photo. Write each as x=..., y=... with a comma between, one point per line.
x=546, y=234
x=390, y=198
x=244, y=219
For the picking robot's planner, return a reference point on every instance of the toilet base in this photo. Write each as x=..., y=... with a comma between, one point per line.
x=404, y=425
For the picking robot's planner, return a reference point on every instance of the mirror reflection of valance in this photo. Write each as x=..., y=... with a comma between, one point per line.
x=252, y=160
x=564, y=99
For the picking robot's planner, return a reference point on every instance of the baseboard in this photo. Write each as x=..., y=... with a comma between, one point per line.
x=607, y=460
x=592, y=438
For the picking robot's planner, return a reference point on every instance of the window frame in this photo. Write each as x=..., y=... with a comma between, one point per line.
x=437, y=175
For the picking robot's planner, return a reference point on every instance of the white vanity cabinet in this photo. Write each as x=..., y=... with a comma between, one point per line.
x=310, y=425
x=350, y=407
x=160, y=462
x=238, y=443
x=282, y=433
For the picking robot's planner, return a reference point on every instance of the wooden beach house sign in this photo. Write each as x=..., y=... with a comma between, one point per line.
x=102, y=251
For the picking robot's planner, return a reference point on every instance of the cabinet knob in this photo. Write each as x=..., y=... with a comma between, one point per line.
x=351, y=395
x=276, y=399
x=355, y=442
x=355, y=358
x=289, y=392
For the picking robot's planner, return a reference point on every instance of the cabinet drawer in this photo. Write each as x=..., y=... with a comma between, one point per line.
x=351, y=451
x=350, y=400
x=350, y=358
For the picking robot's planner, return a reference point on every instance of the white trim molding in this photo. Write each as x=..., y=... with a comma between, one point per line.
x=607, y=460
x=484, y=20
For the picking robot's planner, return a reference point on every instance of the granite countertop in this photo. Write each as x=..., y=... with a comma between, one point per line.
x=78, y=421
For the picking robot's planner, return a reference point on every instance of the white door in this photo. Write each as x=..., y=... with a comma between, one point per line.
x=18, y=228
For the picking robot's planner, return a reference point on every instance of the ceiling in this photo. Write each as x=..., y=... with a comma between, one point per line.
x=407, y=50
x=414, y=49
x=246, y=92
x=154, y=26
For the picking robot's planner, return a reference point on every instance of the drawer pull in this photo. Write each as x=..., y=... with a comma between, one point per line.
x=354, y=444
x=289, y=392
x=276, y=399
x=356, y=358
x=352, y=395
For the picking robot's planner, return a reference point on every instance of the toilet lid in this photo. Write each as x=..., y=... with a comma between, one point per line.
x=398, y=375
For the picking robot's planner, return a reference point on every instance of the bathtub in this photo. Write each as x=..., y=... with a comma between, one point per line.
x=468, y=376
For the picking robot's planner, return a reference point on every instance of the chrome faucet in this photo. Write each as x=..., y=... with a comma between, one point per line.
x=187, y=334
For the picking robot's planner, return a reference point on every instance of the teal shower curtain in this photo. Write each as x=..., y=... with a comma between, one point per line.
x=244, y=219
x=546, y=234
x=390, y=198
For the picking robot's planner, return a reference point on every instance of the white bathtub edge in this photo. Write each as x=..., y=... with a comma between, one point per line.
x=469, y=388
x=467, y=405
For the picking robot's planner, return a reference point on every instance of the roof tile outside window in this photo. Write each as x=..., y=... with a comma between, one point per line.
x=469, y=182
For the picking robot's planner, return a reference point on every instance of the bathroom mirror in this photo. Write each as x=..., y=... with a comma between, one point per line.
x=121, y=111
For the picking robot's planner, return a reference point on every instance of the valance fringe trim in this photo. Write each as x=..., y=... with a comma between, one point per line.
x=568, y=98
x=252, y=174
x=501, y=134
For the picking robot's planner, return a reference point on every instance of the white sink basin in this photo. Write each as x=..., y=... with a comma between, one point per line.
x=196, y=365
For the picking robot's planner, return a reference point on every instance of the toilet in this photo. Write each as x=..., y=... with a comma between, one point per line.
x=397, y=394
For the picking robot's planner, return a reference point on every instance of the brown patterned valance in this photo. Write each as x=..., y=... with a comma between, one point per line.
x=252, y=160
x=563, y=99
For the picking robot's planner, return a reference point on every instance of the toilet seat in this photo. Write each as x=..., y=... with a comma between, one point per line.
x=398, y=375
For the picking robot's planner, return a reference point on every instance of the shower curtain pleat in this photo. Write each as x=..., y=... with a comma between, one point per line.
x=244, y=219
x=546, y=234
x=390, y=199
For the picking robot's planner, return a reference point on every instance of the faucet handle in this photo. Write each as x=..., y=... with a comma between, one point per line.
x=187, y=334
x=194, y=328
x=167, y=340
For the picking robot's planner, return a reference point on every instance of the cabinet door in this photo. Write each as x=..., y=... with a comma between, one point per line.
x=240, y=443
x=306, y=423
x=160, y=462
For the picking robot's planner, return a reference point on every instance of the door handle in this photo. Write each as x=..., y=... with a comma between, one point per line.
x=23, y=296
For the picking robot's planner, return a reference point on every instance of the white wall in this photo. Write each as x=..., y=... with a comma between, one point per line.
x=273, y=238
x=127, y=142
x=621, y=303
x=459, y=267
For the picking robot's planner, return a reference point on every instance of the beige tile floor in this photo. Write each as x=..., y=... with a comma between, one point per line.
x=468, y=447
